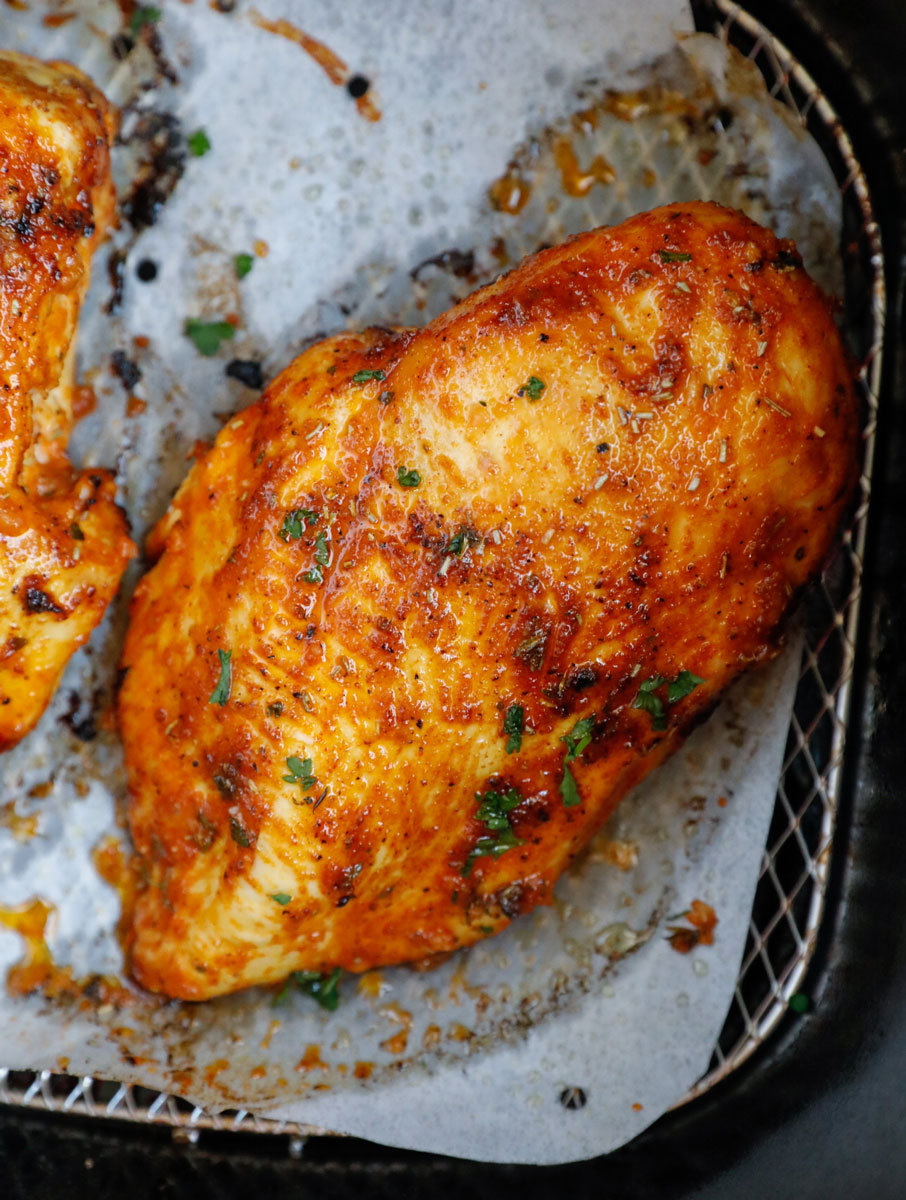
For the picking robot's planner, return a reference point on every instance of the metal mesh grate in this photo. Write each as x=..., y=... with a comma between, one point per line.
x=789, y=901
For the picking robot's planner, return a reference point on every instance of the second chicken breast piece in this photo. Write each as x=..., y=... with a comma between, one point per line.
x=63, y=542
x=428, y=610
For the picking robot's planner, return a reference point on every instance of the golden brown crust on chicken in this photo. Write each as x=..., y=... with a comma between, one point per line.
x=63, y=541
x=633, y=450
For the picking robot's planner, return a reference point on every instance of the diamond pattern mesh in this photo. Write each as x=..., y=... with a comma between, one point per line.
x=789, y=901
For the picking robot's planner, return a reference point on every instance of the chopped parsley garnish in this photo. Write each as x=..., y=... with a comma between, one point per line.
x=669, y=256
x=493, y=808
x=76, y=533
x=199, y=143
x=684, y=683
x=143, y=16
x=207, y=335
x=457, y=544
x=366, y=376
x=281, y=898
x=682, y=686
x=568, y=789
x=300, y=771
x=322, y=558
x=221, y=693
x=243, y=263
x=239, y=834
x=295, y=521
x=513, y=724
x=578, y=738
x=650, y=703
x=407, y=479
x=323, y=988
x=533, y=387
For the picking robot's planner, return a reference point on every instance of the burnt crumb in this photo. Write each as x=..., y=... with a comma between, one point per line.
x=128, y=371
x=357, y=86
x=786, y=260
x=159, y=136
x=752, y=268
x=247, y=371
x=458, y=262
x=79, y=718
x=224, y=6
x=116, y=267
x=343, y=901
x=722, y=120
x=573, y=1098
x=38, y=601
x=146, y=270
x=602, y=447
x=582, y=677
x=121, y=46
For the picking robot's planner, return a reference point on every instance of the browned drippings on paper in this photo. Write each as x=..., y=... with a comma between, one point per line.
x=330, y=63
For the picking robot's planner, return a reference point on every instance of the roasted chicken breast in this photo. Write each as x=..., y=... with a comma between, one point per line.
x=427, y=611
x=63, y=541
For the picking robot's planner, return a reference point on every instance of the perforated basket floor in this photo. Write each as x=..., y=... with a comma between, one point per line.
x=790, y=898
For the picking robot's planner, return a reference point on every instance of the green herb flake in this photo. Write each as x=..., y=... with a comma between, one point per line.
x=76, y=533
x=313, y=575
x=322, y=550
x=367, y=376
x=652, y=704
x=207, y=335
x=679, y=687
x=569, y=792
x=325, y=988
x=799, y=1003
x=407, y=479
x=682, y=686
x=275, y=709
x=300, y=771
x=295, y=521
x=239, y=834
x=243, y=263
x=221, y=692
x=199, y=143
x=514, y=724
x=457, y=544
x=493, y=810
x=281, y=898
x=578, y=738
x=486, y=929
x=533, y=387
x=674, y=256
x=143, y=16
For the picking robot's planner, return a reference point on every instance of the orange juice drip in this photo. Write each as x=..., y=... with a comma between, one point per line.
x=115, y=867
x=29, y=920
x=333, y=66
x=510, y=193
x=577, y=182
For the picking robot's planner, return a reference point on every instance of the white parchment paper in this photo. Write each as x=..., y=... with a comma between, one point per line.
x=575, y=1029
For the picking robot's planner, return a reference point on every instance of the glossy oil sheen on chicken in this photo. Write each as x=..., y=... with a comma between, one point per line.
x=63, y=541
x=425, y=613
